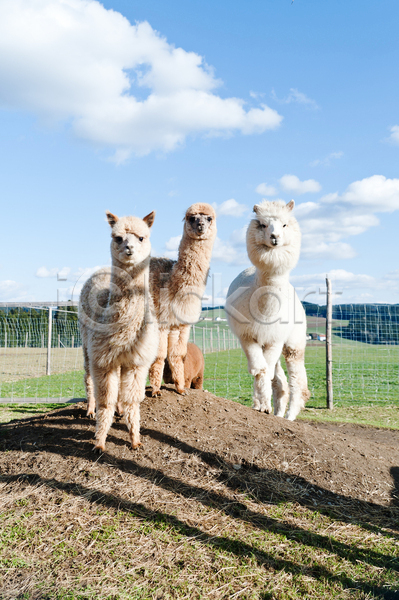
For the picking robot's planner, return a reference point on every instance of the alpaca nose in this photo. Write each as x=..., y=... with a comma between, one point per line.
x=274, y=239
x=200, y=228
x=129, y=249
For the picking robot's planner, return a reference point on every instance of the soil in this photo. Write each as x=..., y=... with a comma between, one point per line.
x=346, y=468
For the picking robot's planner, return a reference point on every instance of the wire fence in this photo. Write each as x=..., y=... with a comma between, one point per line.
x=41, y=354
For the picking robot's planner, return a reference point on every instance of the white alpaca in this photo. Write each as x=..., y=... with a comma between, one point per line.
x=264, y=311
x=119, y=329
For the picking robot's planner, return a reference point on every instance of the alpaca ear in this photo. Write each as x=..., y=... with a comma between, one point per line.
x=149, y=219
x=256, y=208
x=112, y=219
x=290, y=205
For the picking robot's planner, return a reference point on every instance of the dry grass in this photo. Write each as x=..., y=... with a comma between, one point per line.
x=83, y=539
x=172, y=521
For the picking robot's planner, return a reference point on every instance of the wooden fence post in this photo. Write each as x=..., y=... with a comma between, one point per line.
x=203, y=340
x=329, y=381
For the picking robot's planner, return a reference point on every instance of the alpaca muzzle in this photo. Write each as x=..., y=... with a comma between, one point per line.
x=274, y=240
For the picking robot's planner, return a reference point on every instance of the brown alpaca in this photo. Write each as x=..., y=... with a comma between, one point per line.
x=193, y=368
x=177, y=288
x=119, y=329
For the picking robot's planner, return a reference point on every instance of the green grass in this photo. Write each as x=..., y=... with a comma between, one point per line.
x=363, y=375
x=366, y=375
x=61, y=385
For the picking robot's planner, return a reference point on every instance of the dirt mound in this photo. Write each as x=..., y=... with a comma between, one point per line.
x=200, y=435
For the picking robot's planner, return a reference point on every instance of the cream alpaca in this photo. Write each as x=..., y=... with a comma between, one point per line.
x=177, y=288
x=265, y=313
x=119, y=329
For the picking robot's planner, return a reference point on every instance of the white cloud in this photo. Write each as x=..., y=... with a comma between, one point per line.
x=295, y=96
x=115, y=84
x=227, y=252
x=172, y=246
x=44, y=272
x=265, y=190
x=238, y=237
x=326, y=162
x=347, y=287
x=394, y=137
x=83, y=273
x=12, y=291
x=376, y=193
x=316, y=248
x=230, y=208
x=325, y=224
x=291, y=183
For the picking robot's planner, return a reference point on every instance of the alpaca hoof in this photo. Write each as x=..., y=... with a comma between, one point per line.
x=99, y=449
x=90, y=414
x=156, y=393
x=135, y=446
x=180, y=391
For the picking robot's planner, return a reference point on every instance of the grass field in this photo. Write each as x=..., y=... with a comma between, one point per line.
x=364, y=375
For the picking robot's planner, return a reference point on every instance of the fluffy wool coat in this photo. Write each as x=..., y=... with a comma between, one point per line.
x=194, y=365
x=177, y=288
x=119, y=328
x=265, y=313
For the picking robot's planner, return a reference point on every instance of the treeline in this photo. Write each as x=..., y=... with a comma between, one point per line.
x=28, y=327
x=370, y=323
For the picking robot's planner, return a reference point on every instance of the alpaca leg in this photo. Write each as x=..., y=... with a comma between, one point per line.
x=177, y=350
x=298, y=383
x=91, y=401
x=263, y=381
x=156, y=369
x=119, y=405
x=198, y=382
x=257, y=366
x=132, y=393
x=262, y=398
x=280, y=390
x=106, y=385
x=255, y=358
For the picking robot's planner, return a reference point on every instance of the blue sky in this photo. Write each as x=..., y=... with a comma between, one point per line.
x=135, y=106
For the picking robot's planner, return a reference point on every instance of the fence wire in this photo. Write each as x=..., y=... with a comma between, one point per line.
x=365, y=346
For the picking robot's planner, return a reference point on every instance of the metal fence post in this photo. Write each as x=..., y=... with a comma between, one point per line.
x=50, y=323
x=329, y=381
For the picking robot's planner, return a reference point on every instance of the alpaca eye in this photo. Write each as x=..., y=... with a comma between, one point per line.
x=141, y=239
x=285, y=225
x=192, y=219
x=209, y=219
x=118, y=239
x=263, y=225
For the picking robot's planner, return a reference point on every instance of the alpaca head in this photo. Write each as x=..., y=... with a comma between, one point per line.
x=200, y=222
x=130, y=243
x=273, y=237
